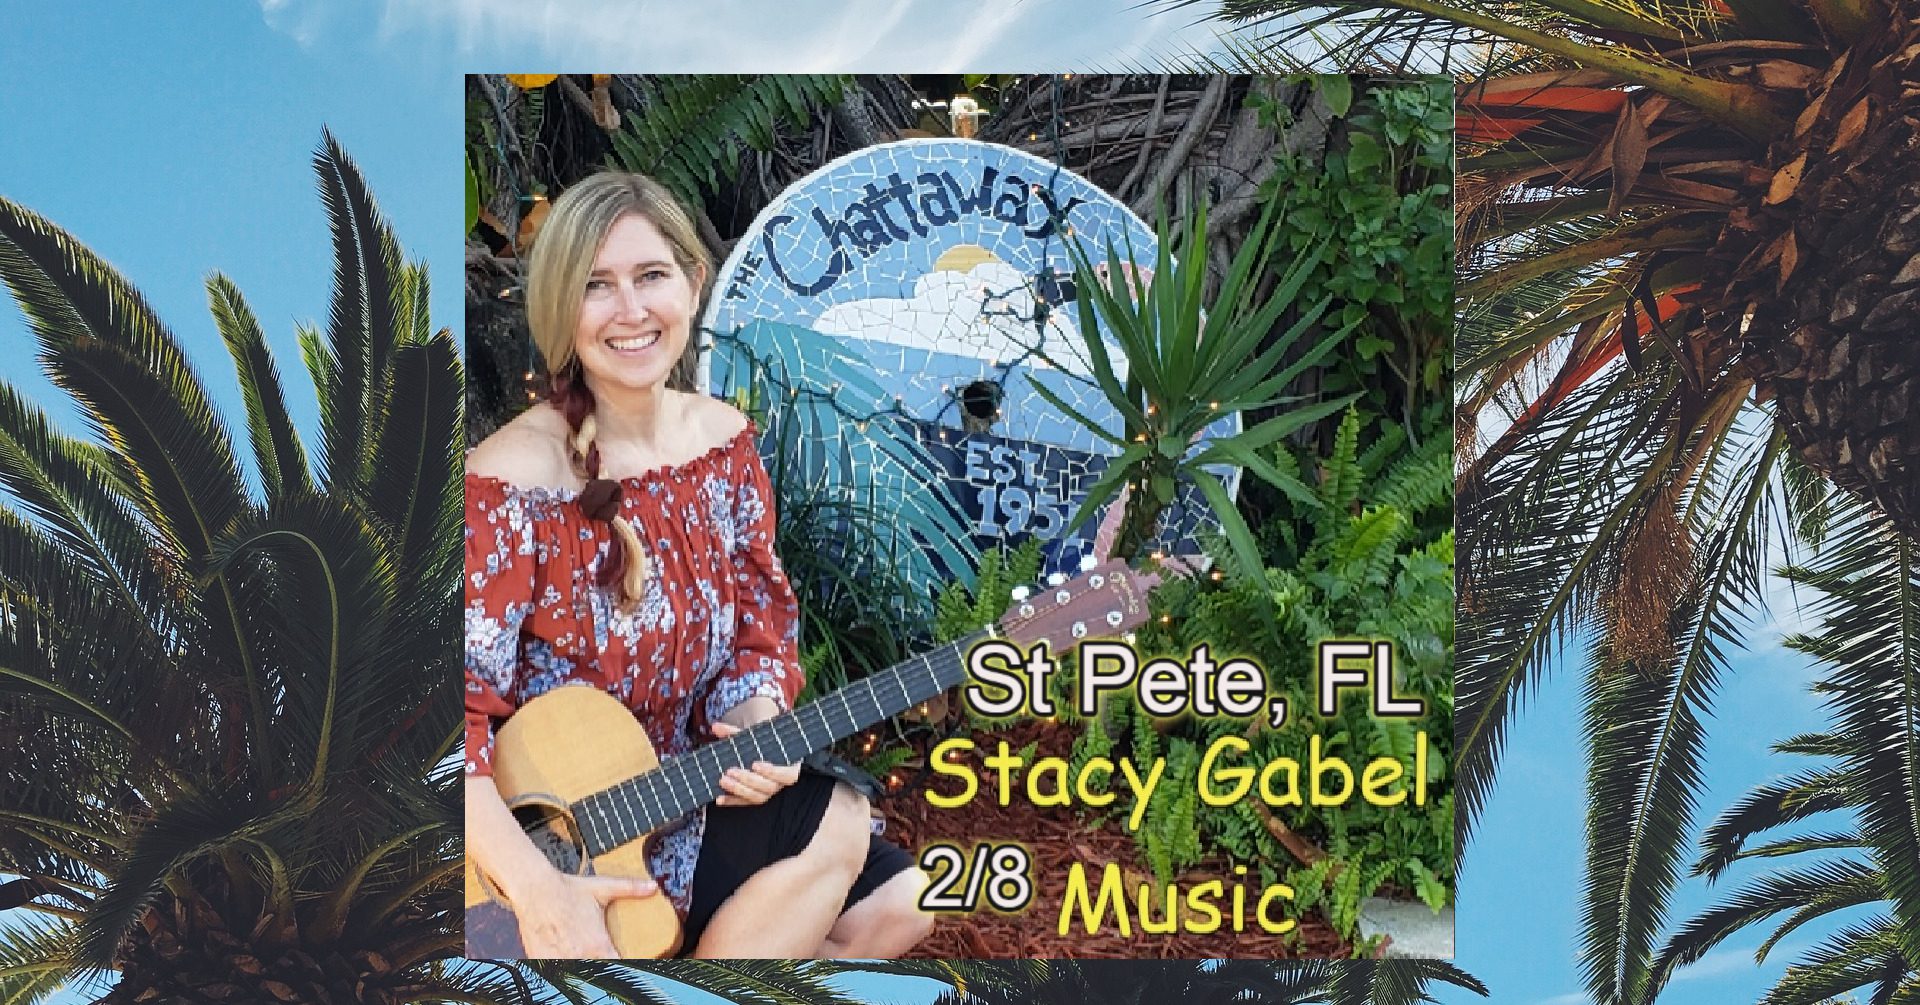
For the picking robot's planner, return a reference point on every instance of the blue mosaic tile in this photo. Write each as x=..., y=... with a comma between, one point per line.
x=884, y=292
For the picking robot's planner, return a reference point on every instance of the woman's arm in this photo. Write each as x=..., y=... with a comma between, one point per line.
x=753, y=710
x=560, y=916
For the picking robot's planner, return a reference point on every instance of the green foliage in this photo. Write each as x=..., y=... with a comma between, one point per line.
x=229, y=692
x=1845, y=829
x=1191, y=364
x=857, y=614
x=1386, y=184
x=1193, y=982
x=1354, y=540
x=1347, y=565
x=473, y=197
x=961, y=612
x=694, y=131
x=882, y=762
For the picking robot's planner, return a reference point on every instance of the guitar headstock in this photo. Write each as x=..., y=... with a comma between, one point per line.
x=1106, y=600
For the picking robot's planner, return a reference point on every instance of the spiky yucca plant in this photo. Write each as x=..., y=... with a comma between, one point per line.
x=226, y=692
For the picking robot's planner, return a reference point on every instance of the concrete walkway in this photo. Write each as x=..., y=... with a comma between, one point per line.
x=1416, y=932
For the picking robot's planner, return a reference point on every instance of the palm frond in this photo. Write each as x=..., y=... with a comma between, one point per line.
x=1774, y=893
x=1858, y=956
x=35, y=961
x=1394, y=982
x=332, y=595
x=1870, y=642
x=361, y=328
x=278, y=456
x=103, y=344
x=223, y=718
x=693, y=131
x=1776, y=803
x=77, y=497
x=1866, y=596
x=413, y=488
x=1645, y=719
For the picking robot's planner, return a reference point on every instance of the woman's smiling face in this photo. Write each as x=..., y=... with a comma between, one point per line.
x=636, y=310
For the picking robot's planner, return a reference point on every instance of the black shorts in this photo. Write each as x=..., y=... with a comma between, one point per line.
x=742, y=840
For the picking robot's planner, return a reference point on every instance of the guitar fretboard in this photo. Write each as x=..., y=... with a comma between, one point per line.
x=630, y=810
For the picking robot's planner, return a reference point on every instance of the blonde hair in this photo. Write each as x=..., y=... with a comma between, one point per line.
x=557, y=272
x=570, y=240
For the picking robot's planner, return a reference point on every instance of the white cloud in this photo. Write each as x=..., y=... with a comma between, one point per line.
x=1717, y=963
x=919, y=36
x=300, y=20
x=1570, y=998
x=945, y=315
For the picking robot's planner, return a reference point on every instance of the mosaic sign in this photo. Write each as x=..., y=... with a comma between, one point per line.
x=897, y=303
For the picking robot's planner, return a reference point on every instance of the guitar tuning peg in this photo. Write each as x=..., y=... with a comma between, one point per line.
x=1020, y=594
x=1087, y=562
x=1057, y=579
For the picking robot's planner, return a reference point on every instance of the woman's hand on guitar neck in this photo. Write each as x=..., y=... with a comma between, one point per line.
x=756, y=785
x=565, y=917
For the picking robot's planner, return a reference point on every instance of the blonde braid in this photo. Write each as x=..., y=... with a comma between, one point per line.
x=600, y=500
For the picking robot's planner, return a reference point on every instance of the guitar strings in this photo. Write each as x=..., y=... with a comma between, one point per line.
x=631, y=809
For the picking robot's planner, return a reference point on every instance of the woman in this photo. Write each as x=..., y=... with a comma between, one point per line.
x=620, y=535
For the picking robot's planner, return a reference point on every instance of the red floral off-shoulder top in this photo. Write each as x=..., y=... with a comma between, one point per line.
x=716, y=623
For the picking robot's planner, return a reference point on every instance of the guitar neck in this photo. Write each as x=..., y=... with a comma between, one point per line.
x=630, y=810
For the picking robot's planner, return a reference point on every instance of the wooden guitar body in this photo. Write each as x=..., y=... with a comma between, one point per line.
x=557, y=749
x=580, y=774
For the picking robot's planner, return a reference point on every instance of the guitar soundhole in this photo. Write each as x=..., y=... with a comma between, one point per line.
x=556, y=840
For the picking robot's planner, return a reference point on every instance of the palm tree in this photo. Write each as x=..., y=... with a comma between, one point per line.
x=744, y=982
x=1869, y=597
x=1685, y=231
x=225, y=725
x=1204, y=982
x=227, y=768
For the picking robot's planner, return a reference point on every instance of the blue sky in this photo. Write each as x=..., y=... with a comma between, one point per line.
x=175, y=145
x=1517, y=925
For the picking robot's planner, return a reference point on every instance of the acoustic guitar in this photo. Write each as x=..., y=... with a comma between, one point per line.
x=578, y=771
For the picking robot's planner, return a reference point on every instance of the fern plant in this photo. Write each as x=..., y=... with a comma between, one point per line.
x=693, y=131
x=1369, y=556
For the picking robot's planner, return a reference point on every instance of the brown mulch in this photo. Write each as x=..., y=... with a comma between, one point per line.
x=1057, y=837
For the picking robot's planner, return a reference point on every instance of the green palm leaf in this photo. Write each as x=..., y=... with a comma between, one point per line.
x=413, y=485
x=228, y=719
x=95, y=330
x=72, y=491
x=361, y=328
x=1865, y=583
x=278, y=455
